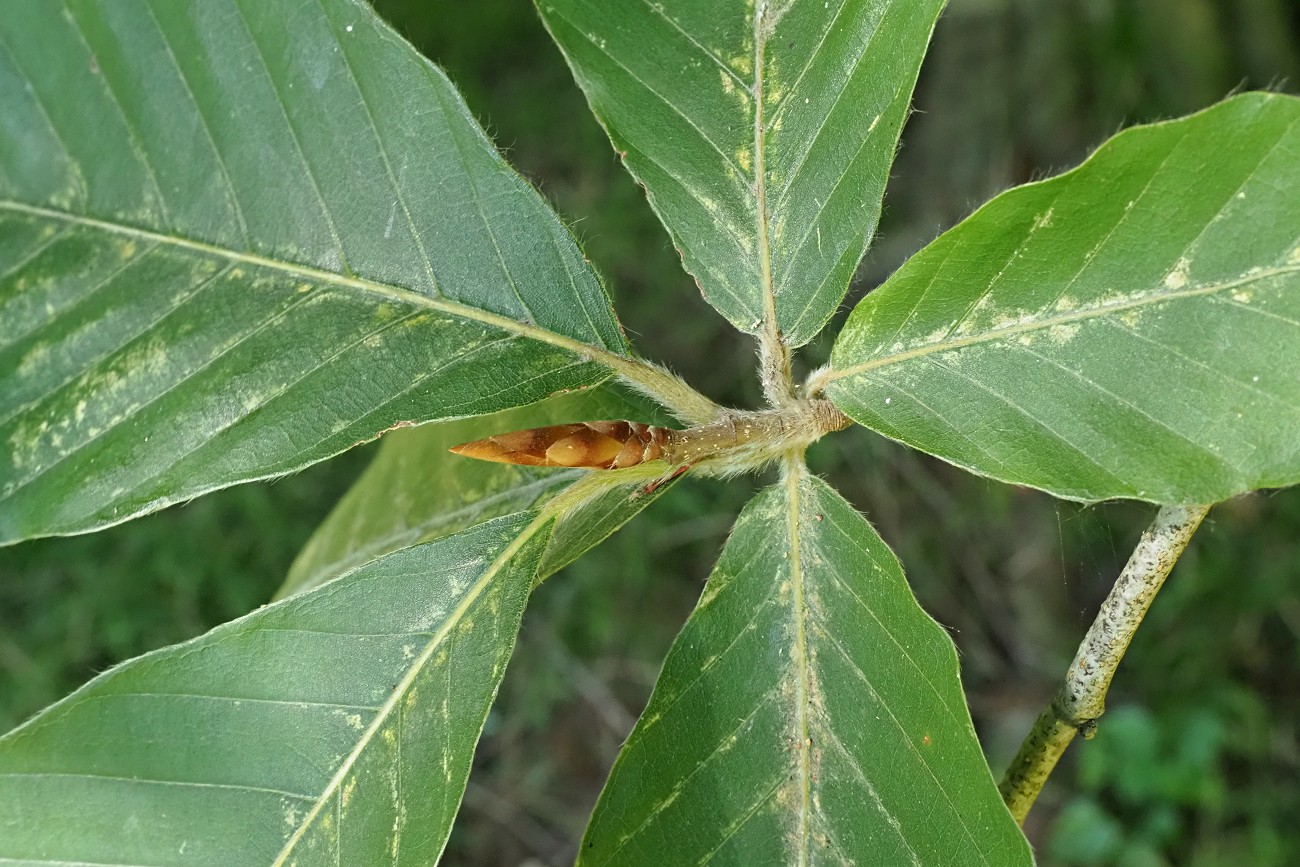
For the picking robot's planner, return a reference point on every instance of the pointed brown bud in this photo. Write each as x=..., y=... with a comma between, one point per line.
x=599, y=445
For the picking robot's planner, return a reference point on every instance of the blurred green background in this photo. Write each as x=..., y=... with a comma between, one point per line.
x=1198, y=759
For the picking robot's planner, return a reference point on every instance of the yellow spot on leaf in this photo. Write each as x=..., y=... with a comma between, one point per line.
x=1061, y=334
x=34, y=359
x=348, y=788
x=745, y=159
x=1177, y=278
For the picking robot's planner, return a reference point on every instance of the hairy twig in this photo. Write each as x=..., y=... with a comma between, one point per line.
x=664, y=386
x=1082, y=698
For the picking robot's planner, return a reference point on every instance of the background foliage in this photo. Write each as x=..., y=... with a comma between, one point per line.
x=1196, y=761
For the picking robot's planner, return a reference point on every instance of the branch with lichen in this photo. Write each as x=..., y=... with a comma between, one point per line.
x=1081, y=700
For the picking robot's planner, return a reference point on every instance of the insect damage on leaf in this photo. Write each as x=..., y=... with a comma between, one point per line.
x=598, y=445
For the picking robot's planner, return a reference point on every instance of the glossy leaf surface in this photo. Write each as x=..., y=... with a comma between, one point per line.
x=762, y=132
x=336, y=727
x=809, y=713
x=1129, y=329
x=416, y=491
x=239, y=237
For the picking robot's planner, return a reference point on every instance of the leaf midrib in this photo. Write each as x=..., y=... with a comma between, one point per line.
x=454, y=308
x=1081, y=314
x=761, y=30
x=392, y=541
x=402, y=689
x=795, y=472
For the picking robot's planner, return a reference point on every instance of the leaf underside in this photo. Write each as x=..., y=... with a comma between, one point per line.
x=763, y=133
x=336, y=727
x=239, y=237
x=809, y=713
x=1129, y=329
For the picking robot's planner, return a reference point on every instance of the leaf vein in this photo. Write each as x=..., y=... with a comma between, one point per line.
x=956, y=813
x=39, y=102
x=334, y=789
x=633, y=369
x=658, y=10
x=691, y=122
x=227, y=181
x=1033, y=419
x=383, y=151
x=133, y=134
x=226, y=350
x=797, y=169
x=326, y=213
x=212, y=434
x=836, y=575
x=32, y=253
x=1209, y=369
x=828, y=733
x=1095, y=311
x=81, y=298
x=1269, y=314
x=831, y=21
x=681, y=784
x=1165, y=426
x=95, y=361
x=743, y=819
x=156, y=782
x=795, y=477
x=242, y=699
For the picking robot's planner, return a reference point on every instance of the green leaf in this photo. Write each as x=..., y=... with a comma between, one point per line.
x=762, y=132
x=415, y=491
x=598, y=506
x=1128, y=329
x=239, y=237
x=809, y=712
x=336, y=727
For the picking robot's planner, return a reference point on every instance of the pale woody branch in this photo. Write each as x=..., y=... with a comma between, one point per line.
x=1082, y=698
